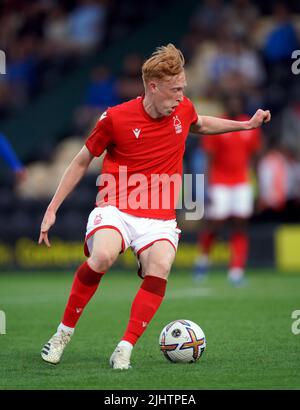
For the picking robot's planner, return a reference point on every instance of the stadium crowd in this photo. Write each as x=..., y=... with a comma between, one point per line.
x=231, y=48
x=244, y=48
x=45, y=40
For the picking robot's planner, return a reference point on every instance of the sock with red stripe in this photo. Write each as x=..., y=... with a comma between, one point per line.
x=144, y=306
x=239, y=244
x=84, y=286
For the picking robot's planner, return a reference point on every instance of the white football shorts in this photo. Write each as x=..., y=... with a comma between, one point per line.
x=226, y=201
x=136, y=232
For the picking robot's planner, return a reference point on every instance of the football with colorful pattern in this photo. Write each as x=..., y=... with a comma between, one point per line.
x=182, y=341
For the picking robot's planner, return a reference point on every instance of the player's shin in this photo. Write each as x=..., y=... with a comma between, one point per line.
x=146, y=303
x=206, y=241
x=239, y=244
x=84, y=286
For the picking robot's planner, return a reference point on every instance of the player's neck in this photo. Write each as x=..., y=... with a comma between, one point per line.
x=150, y=108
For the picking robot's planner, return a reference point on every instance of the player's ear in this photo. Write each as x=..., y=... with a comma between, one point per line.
x=152, y=86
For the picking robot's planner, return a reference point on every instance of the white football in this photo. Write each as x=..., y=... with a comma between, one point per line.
x=182, y=341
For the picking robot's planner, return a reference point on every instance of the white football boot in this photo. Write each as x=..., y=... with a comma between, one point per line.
x=236, y=277
x=54, y=348
x=120, y=359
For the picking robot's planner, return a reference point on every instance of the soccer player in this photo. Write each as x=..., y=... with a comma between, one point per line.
x=143, y=138
x=230, y=194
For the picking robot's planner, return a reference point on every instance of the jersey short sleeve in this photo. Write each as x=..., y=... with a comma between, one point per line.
x=101, y=136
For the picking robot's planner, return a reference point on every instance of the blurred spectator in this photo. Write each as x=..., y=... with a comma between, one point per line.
x=236, y=57
x=86, y=25
x=100, y=94
x=130, y=84
x=56, y=30
x=272, y=181
x=105, y=90
x=102, y=90
x=198, y=68
x=208, y=18
x=21, y=69
x=277, y=49
x=8, y=154
x=241, y=16
x=283, y=38
x=42, y=41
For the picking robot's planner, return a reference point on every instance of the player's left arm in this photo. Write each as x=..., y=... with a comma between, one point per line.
x=214, y=125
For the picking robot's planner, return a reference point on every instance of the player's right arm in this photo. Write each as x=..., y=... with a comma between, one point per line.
x=99, y=139
x=73, y=174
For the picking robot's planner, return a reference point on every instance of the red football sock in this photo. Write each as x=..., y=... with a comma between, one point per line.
x=206, y=241
x=239, y=244
x=144, y=306
x=85, y=284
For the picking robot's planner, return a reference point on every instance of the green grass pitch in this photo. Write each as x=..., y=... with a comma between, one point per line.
x=250, y=344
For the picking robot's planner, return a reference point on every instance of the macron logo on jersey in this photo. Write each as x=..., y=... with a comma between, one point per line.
x=136, y=132
x=104, y=115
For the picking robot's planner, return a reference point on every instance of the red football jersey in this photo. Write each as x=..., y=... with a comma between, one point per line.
x=142, y=168
x=230, y=154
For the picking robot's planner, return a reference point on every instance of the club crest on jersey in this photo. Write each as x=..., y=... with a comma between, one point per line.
x=136, y=132
x=177, y=124
x=98, y=219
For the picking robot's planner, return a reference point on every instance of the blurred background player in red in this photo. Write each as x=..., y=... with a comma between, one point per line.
x=230, y=196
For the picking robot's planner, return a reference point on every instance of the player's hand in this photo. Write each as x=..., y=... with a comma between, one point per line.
x=48, y=221
x=259, y=118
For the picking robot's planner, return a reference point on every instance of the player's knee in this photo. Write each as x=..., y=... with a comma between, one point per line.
x=159, y=268
x=101, y=261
